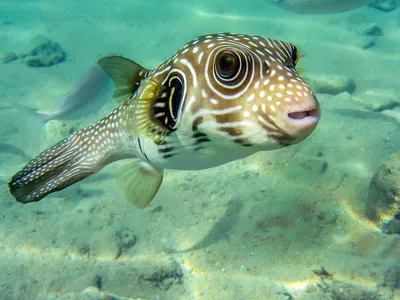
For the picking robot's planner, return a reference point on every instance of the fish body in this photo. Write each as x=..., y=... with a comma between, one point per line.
x=219, y=98
x=319, y=6
x=84, y=98
x=84, y=93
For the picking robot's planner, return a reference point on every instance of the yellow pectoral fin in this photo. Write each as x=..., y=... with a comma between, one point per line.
x=140, y=182
x=144, y=122
x=125, y=73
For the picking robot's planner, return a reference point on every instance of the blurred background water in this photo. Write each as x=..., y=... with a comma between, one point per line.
x=313, y=221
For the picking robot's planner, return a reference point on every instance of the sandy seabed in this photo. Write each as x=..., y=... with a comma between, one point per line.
x=262, y=227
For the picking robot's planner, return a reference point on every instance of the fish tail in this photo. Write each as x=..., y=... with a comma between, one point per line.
x=53, y=170
x=73, y=159
x=32, y=113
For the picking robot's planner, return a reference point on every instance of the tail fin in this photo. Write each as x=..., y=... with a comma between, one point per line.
x=60, y=166
x=32, y=113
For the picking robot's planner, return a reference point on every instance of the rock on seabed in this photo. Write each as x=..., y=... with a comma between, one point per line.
x=45, y=53
x=383, y=204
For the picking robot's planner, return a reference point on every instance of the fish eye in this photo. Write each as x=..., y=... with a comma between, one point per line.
x=296, y=56
x=227, y=64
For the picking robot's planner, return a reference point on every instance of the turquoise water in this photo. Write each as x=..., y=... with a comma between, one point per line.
x=263, y=227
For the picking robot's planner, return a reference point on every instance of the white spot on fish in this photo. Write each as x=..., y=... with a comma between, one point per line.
x=251, y=97
x=264, y=107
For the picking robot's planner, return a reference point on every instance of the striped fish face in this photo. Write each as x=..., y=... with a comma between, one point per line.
x=241, y=89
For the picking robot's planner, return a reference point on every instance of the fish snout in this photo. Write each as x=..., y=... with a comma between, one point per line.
x=301, y=117
x=289, y=110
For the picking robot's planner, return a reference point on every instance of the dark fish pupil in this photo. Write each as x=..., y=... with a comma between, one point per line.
x=295, y=56
x=227, y=65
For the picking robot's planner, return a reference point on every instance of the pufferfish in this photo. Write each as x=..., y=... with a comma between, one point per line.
x=219, y=98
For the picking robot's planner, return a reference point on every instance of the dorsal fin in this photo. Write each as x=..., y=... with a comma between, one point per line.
x=125, y=73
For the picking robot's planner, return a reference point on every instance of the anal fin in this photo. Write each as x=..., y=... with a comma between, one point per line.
x=140, y=182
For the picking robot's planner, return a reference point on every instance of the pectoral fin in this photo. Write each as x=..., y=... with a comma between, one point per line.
x=145, y=121
x=140, y=182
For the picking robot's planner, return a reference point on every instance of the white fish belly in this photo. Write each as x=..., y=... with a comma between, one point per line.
x=184, y=159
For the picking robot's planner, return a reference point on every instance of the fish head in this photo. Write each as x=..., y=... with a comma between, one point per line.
x=278, y=106
x=243, y=89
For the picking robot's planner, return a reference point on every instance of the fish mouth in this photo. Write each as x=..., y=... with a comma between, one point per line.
x=300, y=115
x=302, y=120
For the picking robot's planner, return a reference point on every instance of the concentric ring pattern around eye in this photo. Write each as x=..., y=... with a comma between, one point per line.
x=233, y=81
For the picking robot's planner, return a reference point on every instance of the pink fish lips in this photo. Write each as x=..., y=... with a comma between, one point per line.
x=301, y=115
x=302, y=119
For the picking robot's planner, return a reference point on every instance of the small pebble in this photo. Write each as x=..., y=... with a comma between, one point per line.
x=7, y=57
x=330, y=84
x=99, y=281
x=46, y=53
x=371, y=30
x=378, y=99
x=243, y=268
x=324, y=167
x=365, y=42
x=125, y=240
